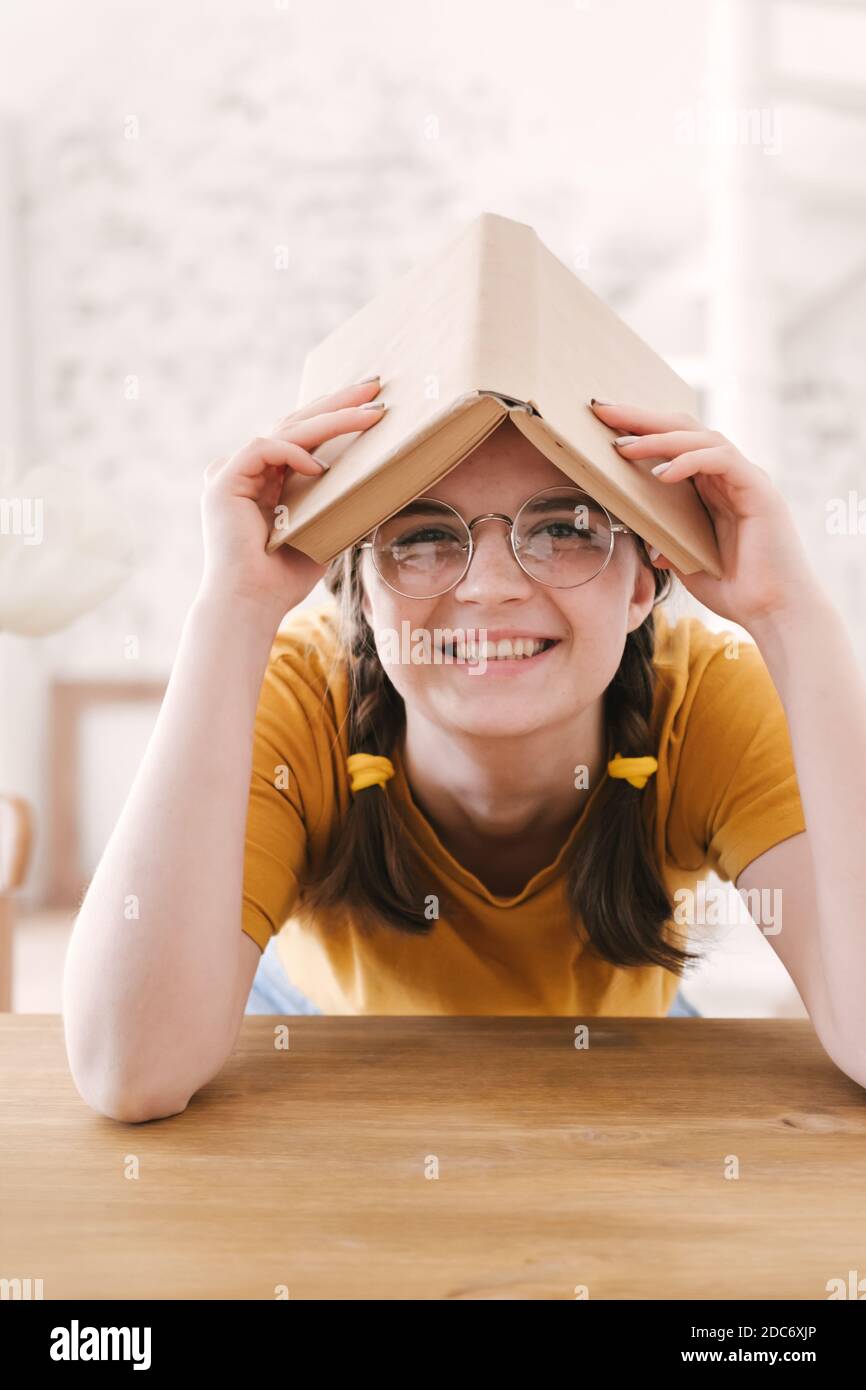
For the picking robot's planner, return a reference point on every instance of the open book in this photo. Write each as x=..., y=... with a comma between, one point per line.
x=493, y=326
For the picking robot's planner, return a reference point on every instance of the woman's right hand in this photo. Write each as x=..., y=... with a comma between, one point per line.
x=242, y=492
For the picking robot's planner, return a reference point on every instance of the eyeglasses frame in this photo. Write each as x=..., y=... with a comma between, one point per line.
x=616, y=528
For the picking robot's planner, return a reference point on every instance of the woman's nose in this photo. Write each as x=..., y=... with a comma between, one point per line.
x=493, y=572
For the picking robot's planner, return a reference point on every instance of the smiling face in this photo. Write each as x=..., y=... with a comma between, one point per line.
x=587, y=624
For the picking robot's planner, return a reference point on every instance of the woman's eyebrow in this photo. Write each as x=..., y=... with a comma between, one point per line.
x=418, y=507
x=546, y=504
x=553, y=504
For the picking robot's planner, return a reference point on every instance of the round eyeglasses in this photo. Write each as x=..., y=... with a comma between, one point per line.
x=560, y=537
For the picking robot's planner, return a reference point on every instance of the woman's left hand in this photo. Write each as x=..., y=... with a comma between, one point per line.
x=765, y=569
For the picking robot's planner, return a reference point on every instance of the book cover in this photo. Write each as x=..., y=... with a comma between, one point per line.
x=492, y=326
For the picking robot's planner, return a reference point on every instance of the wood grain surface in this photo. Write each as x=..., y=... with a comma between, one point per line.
x=446, y=1158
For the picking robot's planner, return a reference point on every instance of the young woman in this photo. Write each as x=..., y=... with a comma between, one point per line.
x=513, y=831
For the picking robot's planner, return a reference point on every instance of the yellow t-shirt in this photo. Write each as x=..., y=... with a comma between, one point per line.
x=725, y=791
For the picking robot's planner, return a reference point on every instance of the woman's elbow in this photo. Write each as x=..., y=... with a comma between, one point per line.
x=848, y=1054
x=132, y=1103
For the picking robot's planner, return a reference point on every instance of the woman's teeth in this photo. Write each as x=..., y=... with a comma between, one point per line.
x=505, y=650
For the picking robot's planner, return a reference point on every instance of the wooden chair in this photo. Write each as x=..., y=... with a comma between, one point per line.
x=16, y=842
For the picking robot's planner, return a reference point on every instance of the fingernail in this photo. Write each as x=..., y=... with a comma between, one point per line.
x=322, y=464
x=367, y=379
x=661, y=467
x=374, y=405
x=654, y=552
x=625, y=439
x=595, y=402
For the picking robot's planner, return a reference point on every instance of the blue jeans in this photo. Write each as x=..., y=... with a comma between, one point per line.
x=274, y=993
x=681, y=1008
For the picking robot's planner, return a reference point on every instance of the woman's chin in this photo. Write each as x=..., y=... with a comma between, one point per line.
x=492, y=718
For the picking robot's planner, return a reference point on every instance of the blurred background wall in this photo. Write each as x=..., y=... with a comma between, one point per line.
x=192, y=195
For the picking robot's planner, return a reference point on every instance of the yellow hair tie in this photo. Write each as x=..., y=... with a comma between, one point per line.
x=368, y=770
x=637, y=771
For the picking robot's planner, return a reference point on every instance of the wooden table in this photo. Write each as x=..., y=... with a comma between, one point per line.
x=311, y=1169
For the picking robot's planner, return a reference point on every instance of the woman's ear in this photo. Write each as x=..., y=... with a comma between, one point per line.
x=644, y=591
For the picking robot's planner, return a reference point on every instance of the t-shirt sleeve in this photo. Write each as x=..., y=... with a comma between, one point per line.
x=275, y=846
x=735, y=793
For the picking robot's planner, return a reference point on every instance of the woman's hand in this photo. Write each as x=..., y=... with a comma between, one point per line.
x=242, y=492
x=765, y=570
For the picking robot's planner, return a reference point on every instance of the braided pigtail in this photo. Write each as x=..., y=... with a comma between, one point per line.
x=368, y=867
x=613, y=880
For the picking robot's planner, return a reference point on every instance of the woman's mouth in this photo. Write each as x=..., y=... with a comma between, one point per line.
x=509, y=651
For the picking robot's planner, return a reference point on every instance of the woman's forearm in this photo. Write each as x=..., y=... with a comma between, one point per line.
x=815, y=670
x=150, y=977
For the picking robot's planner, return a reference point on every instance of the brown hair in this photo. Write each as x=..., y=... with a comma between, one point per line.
x=613, y=881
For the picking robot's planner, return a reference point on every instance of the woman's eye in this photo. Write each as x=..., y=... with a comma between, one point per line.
x=562, y=530
x=427, y=533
